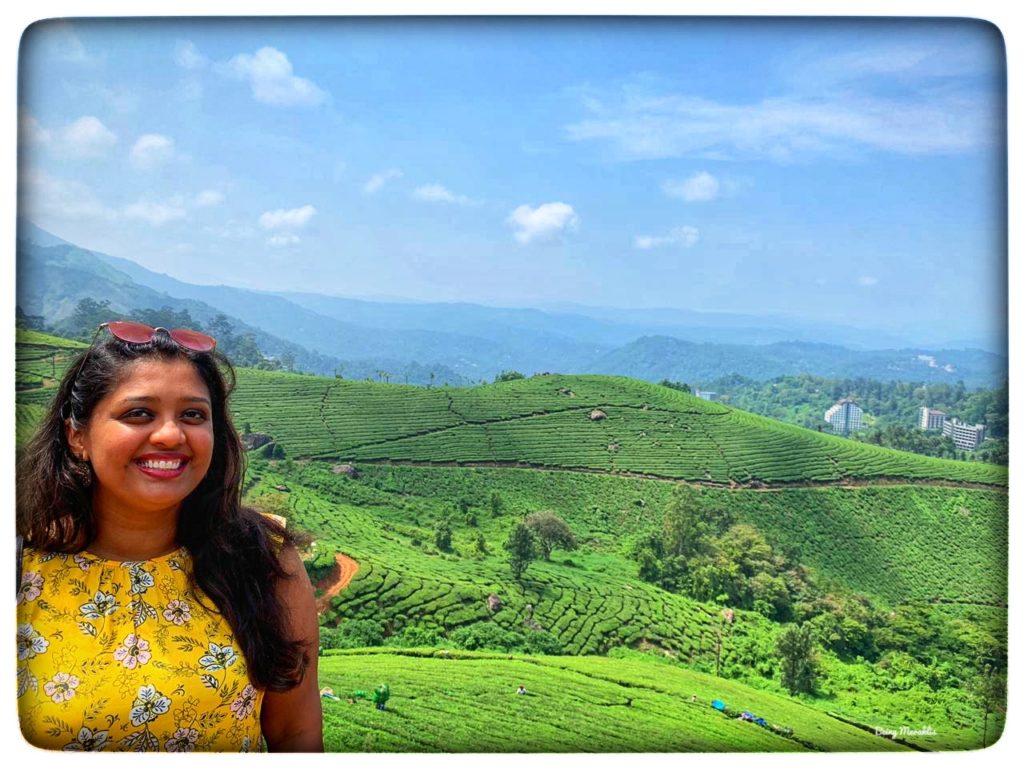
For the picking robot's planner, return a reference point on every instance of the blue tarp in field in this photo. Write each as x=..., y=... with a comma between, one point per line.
x=718, y=704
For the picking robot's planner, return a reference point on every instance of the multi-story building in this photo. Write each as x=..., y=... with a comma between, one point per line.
x=703, y=394
x=845, y=417
x=966, y=436
x=932, y=418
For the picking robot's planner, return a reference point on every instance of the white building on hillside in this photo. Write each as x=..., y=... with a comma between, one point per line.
x=932, y=418
x=845, y=417
x=966, y=436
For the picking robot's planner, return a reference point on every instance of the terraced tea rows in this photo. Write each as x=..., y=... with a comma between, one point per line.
x=466, y=702
x=533, y=423
x=588, y=610
x=602, y=423
x=894, y=543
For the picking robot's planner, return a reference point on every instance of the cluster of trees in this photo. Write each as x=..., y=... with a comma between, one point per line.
x=892, y=408
x=537, y=535
x=702, y=552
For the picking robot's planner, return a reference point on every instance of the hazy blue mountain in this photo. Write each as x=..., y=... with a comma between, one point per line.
x=731, y=327
x=661, y=357
x=51, y=280
x=464, y=343
x=475, y=342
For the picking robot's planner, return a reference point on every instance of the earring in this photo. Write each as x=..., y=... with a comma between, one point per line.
x=82, y=470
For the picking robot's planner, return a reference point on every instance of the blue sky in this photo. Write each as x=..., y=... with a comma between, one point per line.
x=843, y=171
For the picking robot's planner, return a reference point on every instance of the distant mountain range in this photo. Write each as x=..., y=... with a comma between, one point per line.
x=463, y=343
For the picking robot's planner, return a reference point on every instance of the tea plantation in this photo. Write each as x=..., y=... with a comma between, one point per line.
x=611, y=662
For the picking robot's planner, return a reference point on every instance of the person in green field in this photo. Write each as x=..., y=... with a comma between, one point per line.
x=381, y=694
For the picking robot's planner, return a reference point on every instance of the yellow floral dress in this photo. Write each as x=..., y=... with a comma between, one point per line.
x=123, y=656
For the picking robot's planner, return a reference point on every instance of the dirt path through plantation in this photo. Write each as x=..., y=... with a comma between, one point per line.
x=339, y=577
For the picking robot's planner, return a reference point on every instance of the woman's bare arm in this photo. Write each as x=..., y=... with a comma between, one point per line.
x=292, y=721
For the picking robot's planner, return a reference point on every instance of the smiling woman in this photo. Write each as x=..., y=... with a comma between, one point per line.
x=154, y=611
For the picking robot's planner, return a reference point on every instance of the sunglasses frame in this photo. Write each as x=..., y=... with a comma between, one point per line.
x=132, y=332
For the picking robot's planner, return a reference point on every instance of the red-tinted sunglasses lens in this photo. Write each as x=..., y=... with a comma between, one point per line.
x=138, y=333
x=133, y=333
x=194, y=340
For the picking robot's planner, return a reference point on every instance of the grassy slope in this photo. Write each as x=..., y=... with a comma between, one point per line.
x=595, y=603
x=546, y=421
x=466, y=702
x=542, y=421
x=386, y=520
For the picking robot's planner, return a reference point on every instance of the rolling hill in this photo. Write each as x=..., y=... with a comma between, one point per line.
x=903, y=532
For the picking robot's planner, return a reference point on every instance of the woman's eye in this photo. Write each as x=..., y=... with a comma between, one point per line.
x=136, y=414
x=194, y=415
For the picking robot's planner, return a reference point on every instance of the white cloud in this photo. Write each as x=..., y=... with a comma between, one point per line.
x=30, y=131
x=63, y=42
x=151, y=150
x=269, y=74
x=231, y=230
x=41, y=196
x=699, y=188
x=294, y=218
x=867, y=281
x=281, y=241
x=187, y=56
x=209, y=198
x=436, y=193
x=156, y=214
x=87, y=137
x=641, y=124
x=543, y=224
x=378, y=180
x=686, y=237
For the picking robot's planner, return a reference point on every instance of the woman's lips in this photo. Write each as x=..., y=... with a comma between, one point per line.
x=162, y=467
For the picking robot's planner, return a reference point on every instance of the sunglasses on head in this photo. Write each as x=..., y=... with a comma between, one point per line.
x=139, y=333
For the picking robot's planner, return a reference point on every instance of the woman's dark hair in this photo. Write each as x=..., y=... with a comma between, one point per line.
x=235, y=549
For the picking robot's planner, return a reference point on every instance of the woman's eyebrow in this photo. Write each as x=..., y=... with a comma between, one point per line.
x=154, y=399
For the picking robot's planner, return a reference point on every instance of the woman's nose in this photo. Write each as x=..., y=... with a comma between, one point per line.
x=168, y=432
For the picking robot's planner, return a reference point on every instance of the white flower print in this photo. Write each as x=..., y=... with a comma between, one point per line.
x=178, y=611
x=62, y=687
x=183, y=740
x=88, y=741
x=148, y=705
x=218, y=657
x=102, y=604
x=140, y=579
x=31, y=587
x=83, y=564
x=134, y=652
x=245, y=703
x=30, y=642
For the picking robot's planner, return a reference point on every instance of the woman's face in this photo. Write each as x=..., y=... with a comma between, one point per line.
x=150, y=440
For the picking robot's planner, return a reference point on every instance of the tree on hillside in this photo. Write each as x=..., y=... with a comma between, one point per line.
x=686, y=524
x=522, y=549
x=165, y=317
x=508, y=376
x=990, y=690
x=497, y=504
x=86, y=318
x=443, y=536
x=551, y=531
x=798, y=660
x=680, y=385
